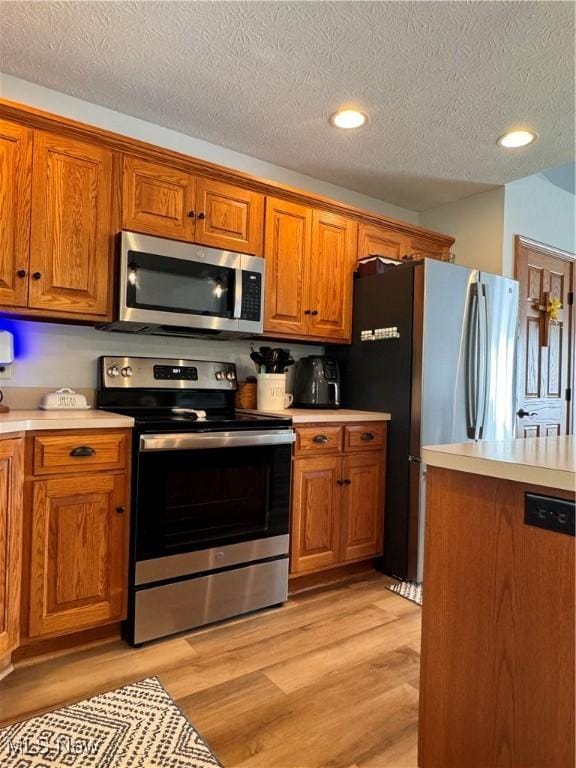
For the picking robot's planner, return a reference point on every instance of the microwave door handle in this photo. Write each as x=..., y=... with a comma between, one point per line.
x=237, y=293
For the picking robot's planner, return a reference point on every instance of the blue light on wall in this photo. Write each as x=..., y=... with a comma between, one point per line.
x=20, y=331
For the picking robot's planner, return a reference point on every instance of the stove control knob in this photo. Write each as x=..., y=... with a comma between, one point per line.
x=127, y=372
x=219, y=375
x=113, y=371
x=231, y=376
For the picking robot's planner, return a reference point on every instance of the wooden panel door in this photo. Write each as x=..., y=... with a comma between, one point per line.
x=333, y=263
x=421, y=246
x=11, y=478
x=363, y=505
x=229, y=217
x=316, y=505
x=78, y=553
x=72, y=229
x=15, y=198
x=544, y=347
x=157, y=199
x=287, y=252
x=378, y=241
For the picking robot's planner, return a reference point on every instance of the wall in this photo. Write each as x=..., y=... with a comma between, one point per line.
x=538, y=209
x=477, y=223
x=50, y=356
x=14, y=89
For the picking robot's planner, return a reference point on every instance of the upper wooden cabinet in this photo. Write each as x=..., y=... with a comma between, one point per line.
x=423, y=246
x=11, y=478
x=229, y=217
x=378, y=241
x=15, y=196
x=332, y=272
x=157, y=199
x=167, y=202
x=287, y=252
x=72, y=239
x=310, y=258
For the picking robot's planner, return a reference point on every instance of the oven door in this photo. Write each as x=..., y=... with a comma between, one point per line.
x=164, y=282
x=197, y=491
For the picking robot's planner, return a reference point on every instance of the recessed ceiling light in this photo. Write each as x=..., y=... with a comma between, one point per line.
x=348, y=118
x=515, y=139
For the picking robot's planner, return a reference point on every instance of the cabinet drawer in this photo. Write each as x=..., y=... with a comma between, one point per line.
x=318, y=439
x=79, y=452
x=364, y=437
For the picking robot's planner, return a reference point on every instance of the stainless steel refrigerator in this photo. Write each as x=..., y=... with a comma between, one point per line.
x=434, y=344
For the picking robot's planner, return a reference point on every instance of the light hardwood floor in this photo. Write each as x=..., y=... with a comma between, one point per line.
x=330, y=680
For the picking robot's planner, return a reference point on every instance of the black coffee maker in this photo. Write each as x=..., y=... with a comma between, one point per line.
x=317, y=382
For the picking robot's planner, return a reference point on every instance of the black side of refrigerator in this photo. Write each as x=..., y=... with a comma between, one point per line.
x=377, y=376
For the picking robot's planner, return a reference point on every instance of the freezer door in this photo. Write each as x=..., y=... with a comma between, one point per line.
x=449, y=292
x=497, y=390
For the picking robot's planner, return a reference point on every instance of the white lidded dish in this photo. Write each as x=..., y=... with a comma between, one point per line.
x=64, y=400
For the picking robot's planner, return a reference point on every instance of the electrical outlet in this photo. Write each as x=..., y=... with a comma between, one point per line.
x=5, y=371
x=550, y=513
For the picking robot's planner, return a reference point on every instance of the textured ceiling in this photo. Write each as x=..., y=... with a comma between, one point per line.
x=439, y=80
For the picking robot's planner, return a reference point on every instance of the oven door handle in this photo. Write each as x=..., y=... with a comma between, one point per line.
x=205, y=440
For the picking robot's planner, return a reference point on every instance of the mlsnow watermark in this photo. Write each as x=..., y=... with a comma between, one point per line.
x=49, y=745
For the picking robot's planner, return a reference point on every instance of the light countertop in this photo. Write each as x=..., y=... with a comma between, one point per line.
x=323, y=416
x=26, y=421
x=546, y=461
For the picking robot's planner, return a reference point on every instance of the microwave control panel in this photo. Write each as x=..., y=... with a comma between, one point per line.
x=251, y=295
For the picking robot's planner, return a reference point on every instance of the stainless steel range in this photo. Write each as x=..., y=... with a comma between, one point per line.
x=210, y=495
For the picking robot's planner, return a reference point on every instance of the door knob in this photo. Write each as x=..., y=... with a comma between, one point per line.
x=21, y=273
x=522, y=413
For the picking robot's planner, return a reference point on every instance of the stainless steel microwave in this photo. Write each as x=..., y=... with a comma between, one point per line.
x=180, y=289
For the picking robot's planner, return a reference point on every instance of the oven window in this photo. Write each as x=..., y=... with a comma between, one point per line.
x=177, y=285
x=189, y=500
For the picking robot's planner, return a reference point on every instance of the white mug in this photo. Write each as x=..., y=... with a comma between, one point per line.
x=271, y=392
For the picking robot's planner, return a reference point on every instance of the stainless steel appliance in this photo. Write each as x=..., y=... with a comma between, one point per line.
x=210, y=495
x=179, y=289
x=434, y=344
x=317, y=382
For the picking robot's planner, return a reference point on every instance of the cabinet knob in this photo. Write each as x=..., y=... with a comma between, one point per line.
x=120, y=510
x=347, y=482
x=201, y=215
x=82, y=450
x=320, y=439
x=314, y=312
x=307, y=312
x=36, y=275
x=340, y=482
x=367, y=436
x=191, y=214
x=21, y=273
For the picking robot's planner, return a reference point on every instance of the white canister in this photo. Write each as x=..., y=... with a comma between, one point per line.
x=271, y=392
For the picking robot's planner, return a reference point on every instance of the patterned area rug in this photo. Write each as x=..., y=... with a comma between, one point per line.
x=411, y=590
x=138, y=726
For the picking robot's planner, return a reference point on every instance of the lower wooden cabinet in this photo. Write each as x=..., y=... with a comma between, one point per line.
x=11, y=478
x=338, y=496
x=78, y=552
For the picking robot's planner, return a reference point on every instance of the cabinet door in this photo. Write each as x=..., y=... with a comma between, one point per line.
x=315, y=540
x=288, y=260
x=379, y=241
x=333, y=264
x=229, y=217
x=421, y=246
x=72, y=231
x=363, y=505
x=158, y=200
x=15, y=196
x=11, y=478
x=78, y=553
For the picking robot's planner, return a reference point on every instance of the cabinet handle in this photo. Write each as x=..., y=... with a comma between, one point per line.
x=201, y=215
x=21, y=273
x=120, y=510
x=340, y=482
x=314, y=312
x=191, y=214
x=367, y=436
x=307, y=312
x=347, y=482
x=82, y=450
x=320, y=439
x=36, y=275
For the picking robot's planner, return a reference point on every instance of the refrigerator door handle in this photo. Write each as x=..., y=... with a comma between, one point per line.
x=472, y=363
x=484, y=353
